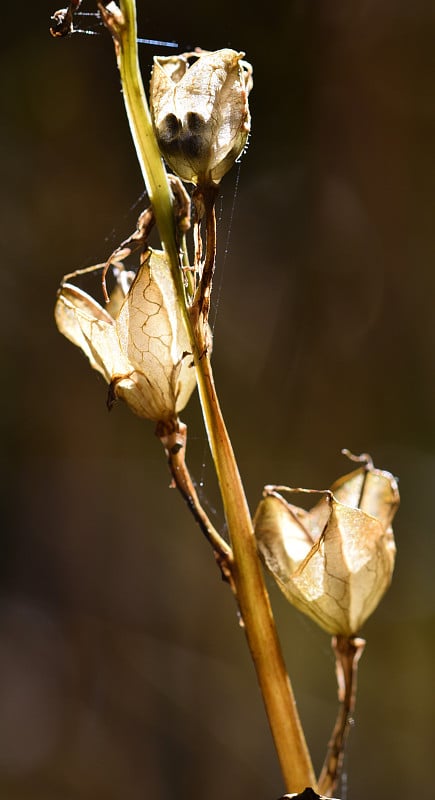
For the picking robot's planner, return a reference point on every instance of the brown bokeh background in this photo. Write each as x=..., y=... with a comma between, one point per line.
x=123, y=672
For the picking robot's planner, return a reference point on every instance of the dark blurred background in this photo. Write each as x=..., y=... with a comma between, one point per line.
x=123, y=672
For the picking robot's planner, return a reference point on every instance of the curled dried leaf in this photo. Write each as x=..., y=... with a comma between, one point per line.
x=200, y=112
x=141, y=347
x=334, y=562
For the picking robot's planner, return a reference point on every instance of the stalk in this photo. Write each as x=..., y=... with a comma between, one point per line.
x=174, y=439
x=122, y=25
x=253, y=599
x=248, y=578
x=347, y=655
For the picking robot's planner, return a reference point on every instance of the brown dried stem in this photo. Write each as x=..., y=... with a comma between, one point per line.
x=174, y=439
x=205, y=200
x=347, y=655
x=248, y=581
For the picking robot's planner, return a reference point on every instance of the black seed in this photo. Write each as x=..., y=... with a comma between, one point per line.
x=194, y=122
x=169, y=128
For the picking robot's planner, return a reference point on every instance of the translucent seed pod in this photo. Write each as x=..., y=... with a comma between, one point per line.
x=200, y=112
x=334, y=562
x=142, y=348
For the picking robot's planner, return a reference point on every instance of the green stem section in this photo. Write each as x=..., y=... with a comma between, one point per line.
x=248, y=578
x=122, y=26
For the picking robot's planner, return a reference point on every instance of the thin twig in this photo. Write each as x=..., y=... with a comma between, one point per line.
x=347, y=654
x=173, y=439
x=136, y=241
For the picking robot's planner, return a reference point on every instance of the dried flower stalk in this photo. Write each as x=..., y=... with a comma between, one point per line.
x=348, y=652
x=251, y=591
x=334, y=562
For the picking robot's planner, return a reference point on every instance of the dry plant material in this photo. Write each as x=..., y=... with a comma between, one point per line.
x=348, y=652
x=142, y=348
x=201, y=120
x=336, y=561
x=63, y=19
x=152, y=344
x=200, y=112
x=174, y=440
x=138, y=240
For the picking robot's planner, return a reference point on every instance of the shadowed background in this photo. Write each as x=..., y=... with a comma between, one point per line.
x=123, y=672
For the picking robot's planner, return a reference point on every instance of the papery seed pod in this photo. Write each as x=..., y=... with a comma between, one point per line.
x=200, y=112
x=336, y=561
x=142, y=350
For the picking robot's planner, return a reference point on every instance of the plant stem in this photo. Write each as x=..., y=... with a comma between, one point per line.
x=248, y=578
x=253, y=599
x=122, y=26
x=347, y=655
x=174, y=441
x=204, y=199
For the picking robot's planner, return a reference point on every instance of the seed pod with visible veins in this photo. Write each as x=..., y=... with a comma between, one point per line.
x=200, y=112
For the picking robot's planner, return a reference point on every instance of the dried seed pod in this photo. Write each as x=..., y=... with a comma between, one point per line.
x=200, y=112
x=334, y=562
x=142, y=350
